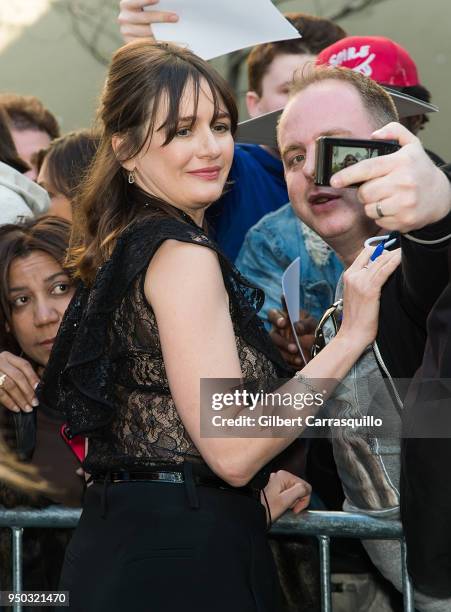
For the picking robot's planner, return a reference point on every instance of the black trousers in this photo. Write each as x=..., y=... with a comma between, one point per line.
x=152, y=552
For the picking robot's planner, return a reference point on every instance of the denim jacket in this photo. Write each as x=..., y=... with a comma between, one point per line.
x=272, y=244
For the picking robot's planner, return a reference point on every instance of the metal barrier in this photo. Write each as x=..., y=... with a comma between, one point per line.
x=326, y=525
x=322, y=525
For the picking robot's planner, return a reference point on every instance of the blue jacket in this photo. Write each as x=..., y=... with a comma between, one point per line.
x=272, y=244
x=257, y=187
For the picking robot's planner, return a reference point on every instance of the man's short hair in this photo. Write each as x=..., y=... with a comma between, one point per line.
x=317, y=34
x=375, y=99
x=28, y=113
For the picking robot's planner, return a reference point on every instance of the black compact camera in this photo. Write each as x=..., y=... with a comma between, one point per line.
x=334, y=154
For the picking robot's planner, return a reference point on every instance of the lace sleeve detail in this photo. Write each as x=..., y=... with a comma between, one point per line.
x=79, y=379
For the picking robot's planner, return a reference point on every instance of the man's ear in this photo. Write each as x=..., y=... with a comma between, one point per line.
x=252, y=103
x=116, y=143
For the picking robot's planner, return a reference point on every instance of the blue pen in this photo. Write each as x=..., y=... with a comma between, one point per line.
x=378, y=251
x=386, y=241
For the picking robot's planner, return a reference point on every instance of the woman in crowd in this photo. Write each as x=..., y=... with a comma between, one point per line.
x=31, y=306
x=35, y=290
x=61, y=168
x=173, y=519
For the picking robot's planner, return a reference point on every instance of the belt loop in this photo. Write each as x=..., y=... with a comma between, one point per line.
x=106, y=482
x=190, y=485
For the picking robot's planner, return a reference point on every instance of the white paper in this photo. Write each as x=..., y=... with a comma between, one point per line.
x=215, y=27
x=291, y=279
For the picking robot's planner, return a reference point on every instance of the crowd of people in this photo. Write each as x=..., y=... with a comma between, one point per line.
x=144, y=258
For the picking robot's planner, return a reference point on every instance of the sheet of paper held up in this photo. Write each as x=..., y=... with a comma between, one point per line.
x=290, y=288
x=215, y=27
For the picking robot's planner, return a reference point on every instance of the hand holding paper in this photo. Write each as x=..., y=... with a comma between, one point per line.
x=293, y=329
x=282, y=335
x=290, y=288
x=135, y=22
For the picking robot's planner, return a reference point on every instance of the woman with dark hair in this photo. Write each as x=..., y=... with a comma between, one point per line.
x=62, y=167
x=31, y=251
x=173, y=519
x=35, y=289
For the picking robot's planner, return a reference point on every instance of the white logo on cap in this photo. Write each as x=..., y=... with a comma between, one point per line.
x=351, y=53
x=365, y=68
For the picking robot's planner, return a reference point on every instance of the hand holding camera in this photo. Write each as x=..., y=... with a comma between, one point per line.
x=402, y=190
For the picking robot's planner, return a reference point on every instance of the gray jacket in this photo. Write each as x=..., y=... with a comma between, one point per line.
x=19, y=196
x=368, y=463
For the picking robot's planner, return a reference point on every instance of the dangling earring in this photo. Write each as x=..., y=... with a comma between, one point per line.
x=131, y=176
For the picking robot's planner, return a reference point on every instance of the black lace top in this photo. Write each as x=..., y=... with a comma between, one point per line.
x=106, y=373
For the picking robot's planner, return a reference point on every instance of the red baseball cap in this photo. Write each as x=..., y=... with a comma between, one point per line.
x=376, y=57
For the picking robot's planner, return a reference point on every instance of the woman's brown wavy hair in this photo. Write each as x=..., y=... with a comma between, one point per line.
x=143, y=75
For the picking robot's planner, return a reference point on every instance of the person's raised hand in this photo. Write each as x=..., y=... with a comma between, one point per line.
x=18, y=381
x=362, y=283
x=282, y=335
x=137, y=23
x=406, y=187
x=286, y=491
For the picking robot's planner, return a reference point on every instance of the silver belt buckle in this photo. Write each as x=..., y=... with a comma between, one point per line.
x=174, y=477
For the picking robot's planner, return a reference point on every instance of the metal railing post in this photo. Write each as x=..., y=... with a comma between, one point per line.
x=324, y=561
x=407, y=589
x=17, y=533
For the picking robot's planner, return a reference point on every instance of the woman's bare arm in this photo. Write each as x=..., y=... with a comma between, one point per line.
x=185, y=288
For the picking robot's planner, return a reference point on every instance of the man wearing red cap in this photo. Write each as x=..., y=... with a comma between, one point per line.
x=390, y=65
x=402, y=191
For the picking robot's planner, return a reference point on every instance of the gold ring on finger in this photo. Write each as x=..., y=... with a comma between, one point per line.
x=379, y=210
x=2, y=379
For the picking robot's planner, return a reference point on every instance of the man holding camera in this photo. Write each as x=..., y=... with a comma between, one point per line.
x=401, y=191
x=277, y=234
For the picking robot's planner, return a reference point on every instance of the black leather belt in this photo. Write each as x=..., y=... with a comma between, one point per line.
x=173, y=477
